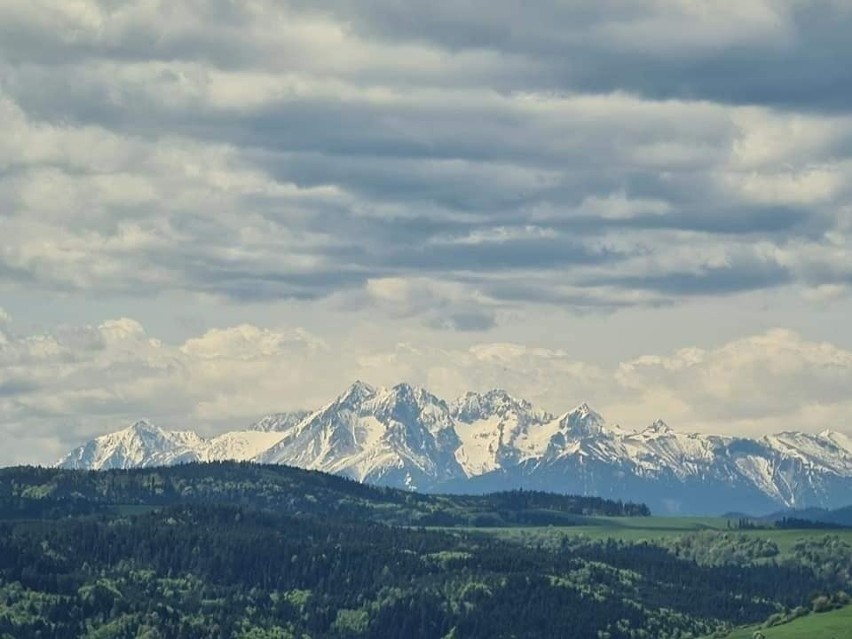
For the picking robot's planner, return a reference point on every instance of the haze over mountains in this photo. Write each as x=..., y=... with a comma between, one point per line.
x=405, y=436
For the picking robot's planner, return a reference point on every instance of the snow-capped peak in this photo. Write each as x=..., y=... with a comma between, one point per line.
x=402, y=395
x=402, y=434
x=278, y=422
x=407, y=404
x=583, y=409
x=659, y=427
x=355, y=394
x=141, y=444
x=497, y=430
x=837, y=438
x=142, y=426
x=582, y=421
x=472, y=406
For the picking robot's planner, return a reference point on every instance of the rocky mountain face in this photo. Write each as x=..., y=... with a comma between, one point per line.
x=402, y=436
x=406, y=437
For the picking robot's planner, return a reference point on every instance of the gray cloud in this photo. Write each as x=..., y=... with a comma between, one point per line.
x=771, y=53
x=711, y=281
x=596, y=156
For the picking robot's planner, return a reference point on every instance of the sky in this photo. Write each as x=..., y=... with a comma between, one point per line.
x=215, y=209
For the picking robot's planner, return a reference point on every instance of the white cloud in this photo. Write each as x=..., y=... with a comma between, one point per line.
x=619, y=206
x=439, y=305
x=80, y=381
x=774, y=380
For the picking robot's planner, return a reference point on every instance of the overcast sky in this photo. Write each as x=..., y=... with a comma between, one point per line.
x=214, y=209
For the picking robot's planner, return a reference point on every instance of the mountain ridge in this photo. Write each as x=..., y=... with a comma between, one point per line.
x=404, y=436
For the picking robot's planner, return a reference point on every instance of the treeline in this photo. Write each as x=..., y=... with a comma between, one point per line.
x=806, y=524
x=785, y=522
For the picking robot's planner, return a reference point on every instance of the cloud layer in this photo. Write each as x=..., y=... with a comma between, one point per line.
x=60, y=388
x=588, y=155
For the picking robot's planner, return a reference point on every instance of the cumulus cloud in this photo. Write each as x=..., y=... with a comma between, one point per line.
x=776, y=379
x=76, y=382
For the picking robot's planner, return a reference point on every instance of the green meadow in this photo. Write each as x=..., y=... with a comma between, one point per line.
x=836, y=624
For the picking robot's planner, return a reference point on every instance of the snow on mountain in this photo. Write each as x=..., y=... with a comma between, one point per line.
x=844, y=442
x=143, y=445
x=581, y=431
x=279, y=421
x=399, y=436
x=140, y=445
x=582, y=422
x=239, y=445
x=812, y=450
x=658, y=447
x=406, y=437
x=496, y=429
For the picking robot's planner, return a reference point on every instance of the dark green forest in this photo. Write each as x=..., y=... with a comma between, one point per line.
x=50, y=493
x=242, y=551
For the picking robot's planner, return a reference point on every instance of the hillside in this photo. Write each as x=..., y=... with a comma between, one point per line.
x=244, y=551
x=41, y=492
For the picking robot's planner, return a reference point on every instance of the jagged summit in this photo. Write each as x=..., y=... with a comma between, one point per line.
x=279, y=421
x=405, y=393
x=659, y=427
x=402, y=435
x=142, y=426
x=405, y=436
x=473, y=405
x=141, y=444
x=583, y=421
x=583, y=409
x=357, y=392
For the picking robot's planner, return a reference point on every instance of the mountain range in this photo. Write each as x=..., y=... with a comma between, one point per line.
x=406, y=437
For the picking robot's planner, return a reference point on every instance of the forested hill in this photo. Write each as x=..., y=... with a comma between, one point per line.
x=240, y=551
x=50, y=493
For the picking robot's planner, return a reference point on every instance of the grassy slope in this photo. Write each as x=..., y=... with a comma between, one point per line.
x=836, y=624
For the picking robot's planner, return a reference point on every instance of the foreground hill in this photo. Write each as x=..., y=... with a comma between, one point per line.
x=47, y=492
x=405, y=437
x=240, y=551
